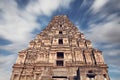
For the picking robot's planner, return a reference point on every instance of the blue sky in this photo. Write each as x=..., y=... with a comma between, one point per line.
x=21, y=20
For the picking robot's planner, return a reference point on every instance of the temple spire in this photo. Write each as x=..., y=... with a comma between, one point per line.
x=60, y=52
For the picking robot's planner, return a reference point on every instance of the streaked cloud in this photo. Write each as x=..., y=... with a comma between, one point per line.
x=17, y=24
x=6, y=62
x=46, y=7
x=98, y=4
x=21, y=20
x=104, y=32
x=107, y=31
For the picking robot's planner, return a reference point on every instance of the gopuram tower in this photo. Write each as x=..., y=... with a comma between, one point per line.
x=60, y=52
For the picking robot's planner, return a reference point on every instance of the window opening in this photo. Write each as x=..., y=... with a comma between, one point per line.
x=105, y=77
x=60, y=32
x=60, y=41
x=60, y=55
x=59, y=63
x=60, y=25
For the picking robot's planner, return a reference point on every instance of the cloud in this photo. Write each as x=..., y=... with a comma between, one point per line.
x=112, y=57
x=46, y=7
x=22, y=3
x=106, y=7
x=104, y=25
x=17, y=25
x=106, y=32
x=115, y=78
x=6, y=66
x=111, y=7
x=105, y=35
x=114, y=71
x=98, y=4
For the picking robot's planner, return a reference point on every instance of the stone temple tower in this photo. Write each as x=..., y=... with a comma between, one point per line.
x=60, y=52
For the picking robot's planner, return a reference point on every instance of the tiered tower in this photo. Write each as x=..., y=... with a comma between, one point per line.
x=60, y=52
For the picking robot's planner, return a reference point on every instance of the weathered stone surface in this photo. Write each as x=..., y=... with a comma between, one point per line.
x=60, y=52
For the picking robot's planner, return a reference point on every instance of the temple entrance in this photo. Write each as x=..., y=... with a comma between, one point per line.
x=59, y=78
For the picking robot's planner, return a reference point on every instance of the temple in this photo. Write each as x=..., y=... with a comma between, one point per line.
x=60, y=52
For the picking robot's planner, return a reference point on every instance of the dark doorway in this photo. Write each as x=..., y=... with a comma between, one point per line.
x=59, y=76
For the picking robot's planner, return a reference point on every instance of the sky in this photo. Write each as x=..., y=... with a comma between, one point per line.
x=22, y=20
